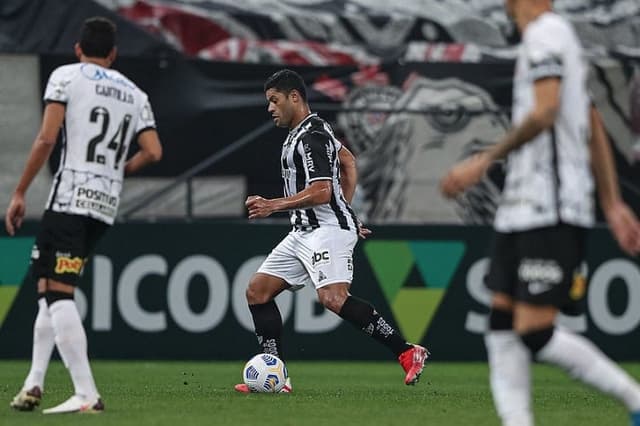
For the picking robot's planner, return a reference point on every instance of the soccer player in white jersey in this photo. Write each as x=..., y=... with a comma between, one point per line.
x=540, y=224
x=319, y=177
x=99, y=111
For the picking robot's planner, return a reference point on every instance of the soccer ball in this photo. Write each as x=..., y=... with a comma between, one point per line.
x=265, y=373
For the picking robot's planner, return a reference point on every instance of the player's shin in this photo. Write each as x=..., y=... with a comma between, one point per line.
x=509, y=365
x=584, y=361
x=268, y=325
x=364, y=316
x=43, y=343
x=71, y=341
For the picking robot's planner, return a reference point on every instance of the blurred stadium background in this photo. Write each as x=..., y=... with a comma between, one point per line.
x=409, y=86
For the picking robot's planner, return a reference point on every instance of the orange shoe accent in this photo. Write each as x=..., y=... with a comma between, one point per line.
x=242, y=388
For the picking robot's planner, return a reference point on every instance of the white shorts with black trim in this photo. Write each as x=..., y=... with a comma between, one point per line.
x=322, y=256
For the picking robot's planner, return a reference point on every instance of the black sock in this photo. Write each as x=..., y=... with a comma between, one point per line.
x=500, y=320
x=364, y=316
x=538, y=339
x=268, y=324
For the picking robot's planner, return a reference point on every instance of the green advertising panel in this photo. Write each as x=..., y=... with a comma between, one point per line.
x=176, y=291
x=14, y=262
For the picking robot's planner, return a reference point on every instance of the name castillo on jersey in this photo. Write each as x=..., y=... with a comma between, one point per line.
x=549, y=178
x=104, y=112
x=310, y=153
x=114, y=92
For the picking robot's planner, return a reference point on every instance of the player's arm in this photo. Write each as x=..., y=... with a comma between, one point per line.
x=319, y=192
x=622, y=221
x=348, y=181
x=315, y=149
x=150, y=152
x=40, y=151
x=541, y=118
x=348, y=173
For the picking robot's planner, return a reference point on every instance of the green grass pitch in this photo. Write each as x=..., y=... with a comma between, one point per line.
x=325, y=393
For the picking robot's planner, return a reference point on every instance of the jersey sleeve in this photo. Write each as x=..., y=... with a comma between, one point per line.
x=543, y=45
x=59, y=85
x=146, y=118
x=317, y=151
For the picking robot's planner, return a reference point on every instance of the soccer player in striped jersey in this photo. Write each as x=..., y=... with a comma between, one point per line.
x=99, y=112
x=555, y=148
x=319, y=176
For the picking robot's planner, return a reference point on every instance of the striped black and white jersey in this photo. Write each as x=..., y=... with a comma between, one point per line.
x=549, y=178
x=104, y=112
x=310, y=153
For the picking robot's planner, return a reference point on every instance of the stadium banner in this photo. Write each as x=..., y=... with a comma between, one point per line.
x=176, y=291
x=420, y=116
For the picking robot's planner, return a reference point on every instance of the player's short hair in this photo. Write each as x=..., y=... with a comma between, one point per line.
x=97, y=37
x=285, y=81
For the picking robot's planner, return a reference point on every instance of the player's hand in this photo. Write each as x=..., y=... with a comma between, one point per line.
x=464, y=174
x=624, y=227
x=258, y=206
x=362, y=231
x=15, y=213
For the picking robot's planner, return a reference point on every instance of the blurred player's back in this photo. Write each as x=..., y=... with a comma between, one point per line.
x=104, y=112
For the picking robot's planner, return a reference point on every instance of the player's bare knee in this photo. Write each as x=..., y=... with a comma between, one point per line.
x=255, y=295
x=42, y=286
x=502, y=302
x=257, y=292
x=528, y=317
x=53, y=285
x=332, y=299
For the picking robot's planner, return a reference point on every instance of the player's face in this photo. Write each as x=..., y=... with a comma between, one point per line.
x=280, y=106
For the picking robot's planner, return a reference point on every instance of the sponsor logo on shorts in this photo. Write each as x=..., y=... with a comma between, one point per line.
x=542, y=271
x=321, y=276
x=320, y=258
x=538, y=287
x=68, y=265
x=35, y=253
x=578, y=286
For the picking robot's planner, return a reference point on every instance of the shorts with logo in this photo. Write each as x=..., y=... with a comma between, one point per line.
x=322, y=256
x=63, y=244
x=540, y=266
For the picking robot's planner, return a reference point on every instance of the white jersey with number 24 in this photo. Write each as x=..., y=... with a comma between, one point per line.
x=105, y=111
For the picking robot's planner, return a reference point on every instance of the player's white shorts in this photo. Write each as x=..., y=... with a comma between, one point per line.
x=323, y=256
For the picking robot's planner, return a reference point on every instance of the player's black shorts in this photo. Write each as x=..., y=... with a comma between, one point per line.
x=64, y=244
x=540, y=266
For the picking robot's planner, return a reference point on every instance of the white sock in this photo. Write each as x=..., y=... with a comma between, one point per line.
x=510, y=377
x=43, y=342
x=584, y=361
x=72, y=346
